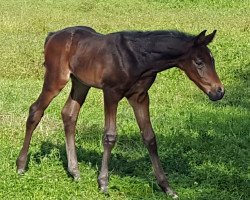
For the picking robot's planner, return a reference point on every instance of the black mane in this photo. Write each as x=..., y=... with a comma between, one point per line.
x=158, y=44
x=168, y=34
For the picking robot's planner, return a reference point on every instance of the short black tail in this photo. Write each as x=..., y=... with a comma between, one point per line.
x=50, y=34
x=48, y=37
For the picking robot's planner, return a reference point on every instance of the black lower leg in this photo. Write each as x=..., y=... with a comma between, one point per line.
x=32, y=121
x=158, y=170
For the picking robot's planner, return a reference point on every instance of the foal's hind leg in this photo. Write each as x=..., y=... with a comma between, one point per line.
x=70, y=113
x=52, y=86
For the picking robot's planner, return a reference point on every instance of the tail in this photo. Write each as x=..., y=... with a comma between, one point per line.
x=48, y=37
x=50, y=34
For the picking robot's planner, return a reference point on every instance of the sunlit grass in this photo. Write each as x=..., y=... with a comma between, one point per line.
x=204, y=146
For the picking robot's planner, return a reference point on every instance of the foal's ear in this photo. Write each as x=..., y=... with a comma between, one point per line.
x=202, y=39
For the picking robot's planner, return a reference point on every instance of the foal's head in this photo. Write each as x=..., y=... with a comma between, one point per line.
x=200, y=67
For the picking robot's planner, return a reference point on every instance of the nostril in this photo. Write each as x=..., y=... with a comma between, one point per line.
x=219, y=90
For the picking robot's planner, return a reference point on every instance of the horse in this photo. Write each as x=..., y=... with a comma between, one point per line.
x=121, y=64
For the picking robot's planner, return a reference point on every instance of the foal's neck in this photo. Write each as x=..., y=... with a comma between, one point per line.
x=163, y=52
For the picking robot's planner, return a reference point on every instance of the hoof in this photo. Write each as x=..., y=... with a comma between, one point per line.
x=75, y=174
x=76, y=177
x=21, y=165
x=172, y=194
x=175, y=196
x=104, y=189
x=103, y=186
x=20, y=171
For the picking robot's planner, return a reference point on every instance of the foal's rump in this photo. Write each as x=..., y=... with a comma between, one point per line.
x=69, y=30
x=82, y=52
x=57, y=50
x=64, y=36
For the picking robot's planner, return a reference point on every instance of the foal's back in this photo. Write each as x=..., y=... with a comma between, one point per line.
x=94, y=59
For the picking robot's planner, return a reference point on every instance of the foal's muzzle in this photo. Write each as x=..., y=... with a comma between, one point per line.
x=217, y=94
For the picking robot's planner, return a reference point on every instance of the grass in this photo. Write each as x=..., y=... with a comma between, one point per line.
x=204, y=146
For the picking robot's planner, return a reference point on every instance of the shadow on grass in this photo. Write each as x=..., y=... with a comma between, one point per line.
x=211, y=158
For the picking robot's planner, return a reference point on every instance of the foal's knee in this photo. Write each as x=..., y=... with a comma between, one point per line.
x=67, y=117
x=109, y=139
x=150, y=142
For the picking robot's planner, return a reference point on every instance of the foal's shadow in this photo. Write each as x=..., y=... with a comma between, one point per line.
x=178, y=152
x=121, y=162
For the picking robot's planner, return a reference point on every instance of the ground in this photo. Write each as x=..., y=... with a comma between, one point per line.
x=204, y=145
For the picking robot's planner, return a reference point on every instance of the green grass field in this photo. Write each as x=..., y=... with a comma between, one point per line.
x=204, y=146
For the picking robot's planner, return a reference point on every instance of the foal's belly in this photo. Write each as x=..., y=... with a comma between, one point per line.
x=100, y=75
x=89, y=75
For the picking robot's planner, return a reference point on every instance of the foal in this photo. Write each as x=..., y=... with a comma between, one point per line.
x=122, y=64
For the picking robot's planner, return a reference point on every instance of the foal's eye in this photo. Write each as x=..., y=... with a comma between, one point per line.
x=199, y=63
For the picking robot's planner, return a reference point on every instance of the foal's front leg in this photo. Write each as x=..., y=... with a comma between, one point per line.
x=140, y=104
x=109, y=138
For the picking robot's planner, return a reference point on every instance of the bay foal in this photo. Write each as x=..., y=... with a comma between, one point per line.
x=122, y=64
